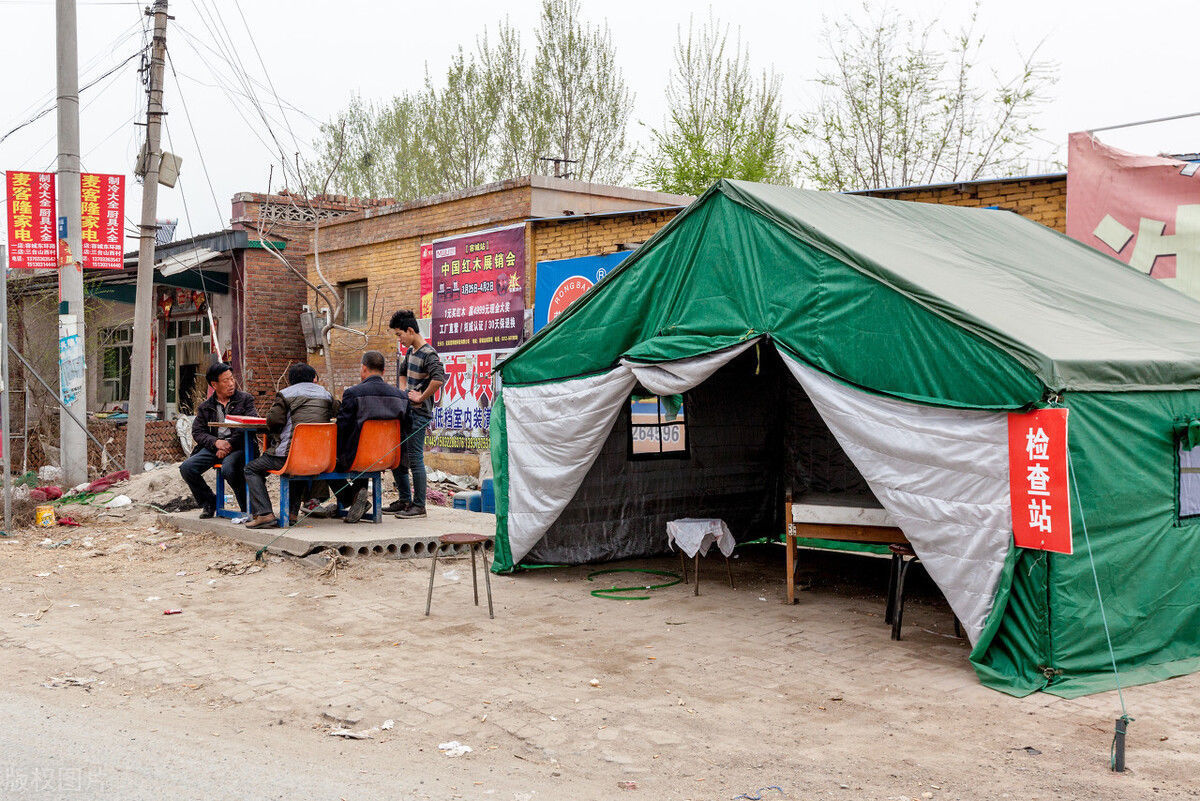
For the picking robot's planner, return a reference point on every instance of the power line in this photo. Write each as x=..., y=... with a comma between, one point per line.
x=267, y=74
x=203, y=164
x=48, y=109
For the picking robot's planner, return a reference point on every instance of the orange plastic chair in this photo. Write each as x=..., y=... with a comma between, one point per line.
x=313, y=450
x=378, y=446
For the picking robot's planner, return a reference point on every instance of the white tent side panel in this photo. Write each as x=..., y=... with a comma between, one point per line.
x=942, y=475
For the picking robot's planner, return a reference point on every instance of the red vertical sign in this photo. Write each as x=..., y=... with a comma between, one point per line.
x=426, y=282
x=1039, y=486
x=101, y=221
x=32, y=225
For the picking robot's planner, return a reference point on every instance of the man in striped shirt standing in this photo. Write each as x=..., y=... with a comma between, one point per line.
x=420, y=374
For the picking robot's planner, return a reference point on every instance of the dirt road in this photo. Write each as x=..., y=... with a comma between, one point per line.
x=696, y=698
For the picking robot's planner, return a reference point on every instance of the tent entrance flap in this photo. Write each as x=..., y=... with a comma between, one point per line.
x=751, y=432
x=759, y=423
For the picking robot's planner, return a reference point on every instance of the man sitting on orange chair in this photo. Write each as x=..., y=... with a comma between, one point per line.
x=372, y=399
x=301, y=401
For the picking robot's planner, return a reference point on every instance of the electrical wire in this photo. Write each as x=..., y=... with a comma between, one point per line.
x=195, y=139
x=82, y=89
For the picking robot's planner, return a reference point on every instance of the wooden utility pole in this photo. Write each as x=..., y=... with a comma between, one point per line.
x=143, y=311
x=72, y=440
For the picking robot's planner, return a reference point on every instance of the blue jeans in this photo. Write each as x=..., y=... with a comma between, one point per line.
x=414, y=461
x=232, y=468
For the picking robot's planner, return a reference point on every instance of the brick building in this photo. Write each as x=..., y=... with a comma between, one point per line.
x=1041, y=198
x=373, y=256
x=240, y=274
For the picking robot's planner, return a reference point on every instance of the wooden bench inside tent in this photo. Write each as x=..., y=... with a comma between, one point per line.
x=833, y=519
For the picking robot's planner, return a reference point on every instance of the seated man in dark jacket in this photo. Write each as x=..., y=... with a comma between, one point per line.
x=218, y=444
x=301, y=401
x=373, y=399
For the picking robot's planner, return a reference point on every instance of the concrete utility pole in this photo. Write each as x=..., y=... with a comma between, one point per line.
x=143, y=310
x=72, y=440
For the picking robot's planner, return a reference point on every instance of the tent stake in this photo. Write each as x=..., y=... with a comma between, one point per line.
x=1118, y=763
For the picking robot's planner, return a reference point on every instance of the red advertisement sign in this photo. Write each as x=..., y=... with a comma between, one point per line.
x=101, y=221
x=1039, y=486
x=426, y=310
x=1143, y=210
x=479, y=290
x=32, y=224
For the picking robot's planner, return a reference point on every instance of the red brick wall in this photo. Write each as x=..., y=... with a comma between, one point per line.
x=162, y=444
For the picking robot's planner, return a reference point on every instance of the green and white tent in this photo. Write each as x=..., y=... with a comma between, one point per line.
x=824, y=341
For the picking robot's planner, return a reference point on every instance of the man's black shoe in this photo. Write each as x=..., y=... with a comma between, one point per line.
x=396, y=506
x=412, y=511
x=207, y=512
x=358, y=508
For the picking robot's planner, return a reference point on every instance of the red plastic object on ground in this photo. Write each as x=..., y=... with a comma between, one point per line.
x=172, y=611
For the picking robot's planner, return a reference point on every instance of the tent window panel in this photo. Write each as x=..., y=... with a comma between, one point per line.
x=1189, y=482
x=657, y=427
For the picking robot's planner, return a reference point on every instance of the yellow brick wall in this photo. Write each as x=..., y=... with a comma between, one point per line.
x=385, y=251
x=1042, y=199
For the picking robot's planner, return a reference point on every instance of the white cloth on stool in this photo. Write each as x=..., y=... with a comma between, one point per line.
x=696, y=534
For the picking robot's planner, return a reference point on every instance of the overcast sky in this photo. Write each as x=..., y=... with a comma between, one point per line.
x=1117, y=62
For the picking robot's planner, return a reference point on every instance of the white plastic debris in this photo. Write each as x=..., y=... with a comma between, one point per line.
x=454, y=748
x=594, y=682
x=365, y=734
x=118, y=502
x=388, y=724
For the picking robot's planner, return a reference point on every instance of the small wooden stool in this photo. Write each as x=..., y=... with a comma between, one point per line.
x=473, y=541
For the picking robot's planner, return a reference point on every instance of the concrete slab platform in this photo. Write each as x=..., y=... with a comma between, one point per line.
x=393, y=537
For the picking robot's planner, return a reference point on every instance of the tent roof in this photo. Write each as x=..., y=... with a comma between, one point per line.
x=1069, y=315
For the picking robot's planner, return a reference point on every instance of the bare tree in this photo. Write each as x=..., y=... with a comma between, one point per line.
x=898, y=110
x=327, y=293
x=724, y=120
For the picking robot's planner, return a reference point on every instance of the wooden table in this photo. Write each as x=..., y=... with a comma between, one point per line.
x=827, y=519
x=247, y=429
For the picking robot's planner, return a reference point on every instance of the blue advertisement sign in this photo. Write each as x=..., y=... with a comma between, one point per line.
x=562, y=281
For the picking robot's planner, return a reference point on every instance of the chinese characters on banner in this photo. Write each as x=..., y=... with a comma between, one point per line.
x=479, y=290
x=1143, y=210
x=426, y=310
x=32, y=228
x=101, y=221
x=462, y=414
x=1038, y=483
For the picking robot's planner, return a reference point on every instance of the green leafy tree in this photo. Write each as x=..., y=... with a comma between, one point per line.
x=522, y=123
x=587, y=101
x=896, y=109
x=725, y=121
x=496, y=115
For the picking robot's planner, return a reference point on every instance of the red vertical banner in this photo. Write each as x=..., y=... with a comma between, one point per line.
x=426, y=310
x=101, y=221
x=1039, y=485
x=32, y=224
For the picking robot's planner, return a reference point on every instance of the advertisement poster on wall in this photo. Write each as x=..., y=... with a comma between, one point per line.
x=563, y=281
x=479, y=290
x=462, y=414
